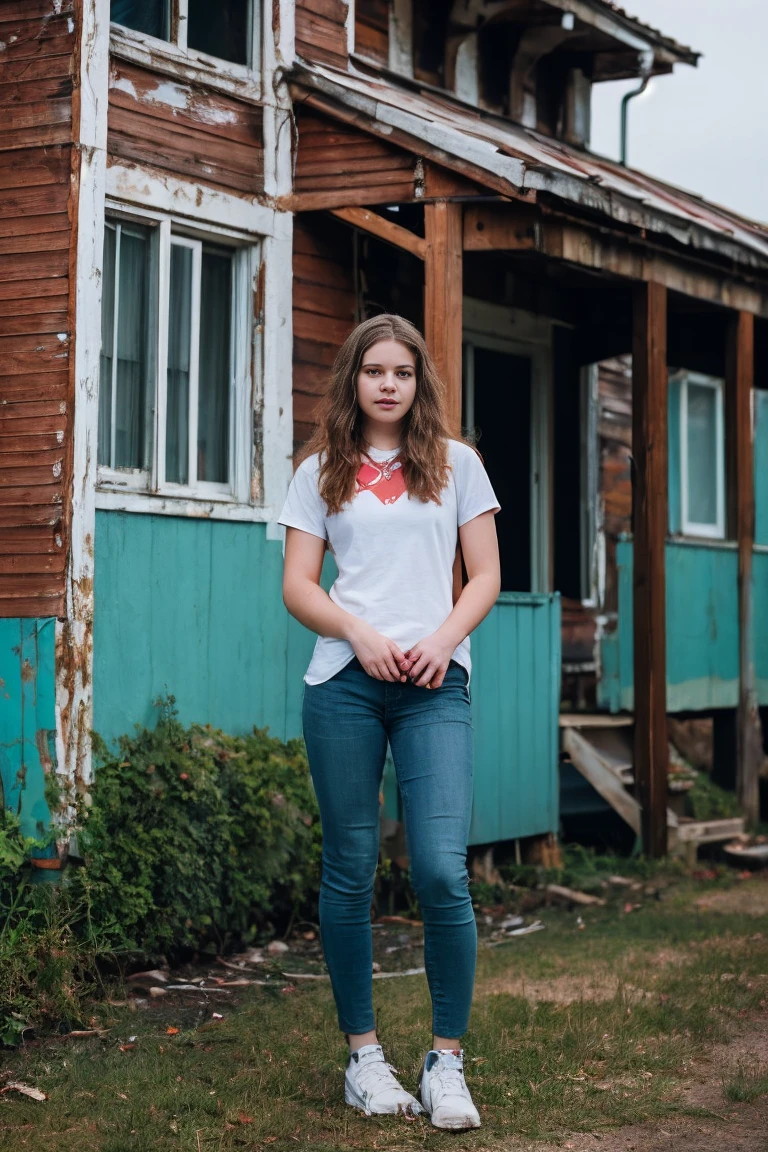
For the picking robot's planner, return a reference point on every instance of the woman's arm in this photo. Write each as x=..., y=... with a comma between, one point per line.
x=427, y=661
x=313, y=607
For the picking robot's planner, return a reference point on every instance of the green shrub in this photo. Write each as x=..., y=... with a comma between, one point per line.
x=196, y=839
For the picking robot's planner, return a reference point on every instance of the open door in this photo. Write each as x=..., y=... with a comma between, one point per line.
x=516, y=650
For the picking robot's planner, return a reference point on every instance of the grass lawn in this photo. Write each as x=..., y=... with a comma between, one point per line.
x=574, y=1030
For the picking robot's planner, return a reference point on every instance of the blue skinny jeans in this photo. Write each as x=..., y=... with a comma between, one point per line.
x=347, y=722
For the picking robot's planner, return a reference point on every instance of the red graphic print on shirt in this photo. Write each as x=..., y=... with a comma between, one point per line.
x=385, y=480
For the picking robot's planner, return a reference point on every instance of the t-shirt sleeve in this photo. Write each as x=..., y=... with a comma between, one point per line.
x=474, y=493
x=304, y=508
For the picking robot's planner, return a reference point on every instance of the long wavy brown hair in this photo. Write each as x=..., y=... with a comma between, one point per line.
x=339, y=438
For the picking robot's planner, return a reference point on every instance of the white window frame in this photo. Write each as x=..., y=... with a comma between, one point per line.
x=714, y=531
x=245, y=264
x=175, y=50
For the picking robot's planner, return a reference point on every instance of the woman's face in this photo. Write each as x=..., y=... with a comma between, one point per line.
x=386, y=385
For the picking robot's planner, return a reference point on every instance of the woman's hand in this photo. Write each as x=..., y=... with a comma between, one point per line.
x=427, y=662
x=380, y=657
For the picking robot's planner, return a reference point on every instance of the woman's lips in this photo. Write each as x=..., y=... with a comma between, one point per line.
x=386, y=403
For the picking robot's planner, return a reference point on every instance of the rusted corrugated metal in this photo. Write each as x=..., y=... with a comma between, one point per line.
x=321, y=30
x=518, y=161
x=175, y=127
x=38, y=39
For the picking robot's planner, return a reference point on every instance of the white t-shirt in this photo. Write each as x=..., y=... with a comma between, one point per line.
x=394, y=554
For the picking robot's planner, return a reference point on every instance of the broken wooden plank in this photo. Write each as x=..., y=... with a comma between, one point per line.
x=605, y=782
x=572, y=896
x=709, y=831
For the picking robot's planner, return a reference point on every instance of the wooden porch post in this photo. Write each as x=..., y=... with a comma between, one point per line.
x=443, y=298
x=649, y=450
x=740, y=367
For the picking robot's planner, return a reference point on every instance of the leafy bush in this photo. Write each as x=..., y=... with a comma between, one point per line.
x=196, y=839
x=49, y=948
x=708, y=801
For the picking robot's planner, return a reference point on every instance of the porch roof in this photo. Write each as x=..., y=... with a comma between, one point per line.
x=522, y=163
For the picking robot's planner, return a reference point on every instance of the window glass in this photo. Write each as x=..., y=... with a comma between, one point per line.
x=179, y=348
x=123, y=441
x=149, y=16
x=701, y=432
x=221, y=29
x=215, y=372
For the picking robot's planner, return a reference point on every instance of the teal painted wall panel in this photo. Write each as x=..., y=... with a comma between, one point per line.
x=27, y=718
x=702, y=630
x=760, y=622
x=761, y=468
x=193, y=608
x=515, y=703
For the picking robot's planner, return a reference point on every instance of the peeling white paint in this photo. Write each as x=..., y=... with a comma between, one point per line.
x=171, y=95
x=62, y=336
x=70, y=25
x=59, y=437
x=57, y=470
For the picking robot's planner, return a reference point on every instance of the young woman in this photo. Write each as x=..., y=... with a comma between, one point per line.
x=385, y=488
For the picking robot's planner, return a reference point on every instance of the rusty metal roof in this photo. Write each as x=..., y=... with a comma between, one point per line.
x=688, y=54
x=515, y=160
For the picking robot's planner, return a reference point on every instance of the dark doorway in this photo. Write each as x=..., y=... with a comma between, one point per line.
x=502, y=423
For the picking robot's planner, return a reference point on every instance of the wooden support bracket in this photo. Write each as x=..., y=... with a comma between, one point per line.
x=384, y=229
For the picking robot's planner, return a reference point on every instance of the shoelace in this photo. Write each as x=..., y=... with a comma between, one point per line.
x=451, y=1080
x=374, y=1075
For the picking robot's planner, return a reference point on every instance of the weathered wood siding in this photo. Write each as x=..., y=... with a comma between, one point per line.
x=323, y=310
x=372, y=29
x=36, y=253
x=340, y=166
x=321, y=31
x=184, y=130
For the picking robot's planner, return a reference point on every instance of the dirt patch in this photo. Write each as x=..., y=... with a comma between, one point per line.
x=734, y=1127
x=560, y=989
x=750, y=898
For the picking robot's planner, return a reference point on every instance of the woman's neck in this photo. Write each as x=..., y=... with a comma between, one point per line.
x=383, y=437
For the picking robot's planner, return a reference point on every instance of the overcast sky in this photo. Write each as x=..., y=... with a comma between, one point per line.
x=701, y=128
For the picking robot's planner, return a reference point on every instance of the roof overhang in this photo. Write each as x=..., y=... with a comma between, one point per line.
x=516, y=162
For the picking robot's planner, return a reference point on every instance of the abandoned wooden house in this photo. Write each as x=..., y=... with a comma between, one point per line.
x=198, y=203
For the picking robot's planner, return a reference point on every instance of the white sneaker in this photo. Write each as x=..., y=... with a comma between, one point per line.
x=370, y=1085
x=444, y=1091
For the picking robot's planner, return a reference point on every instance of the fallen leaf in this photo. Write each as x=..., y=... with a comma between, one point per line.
x=126, y=1047
x=216, y=1016
x=244, y=1119
x=171, y=1031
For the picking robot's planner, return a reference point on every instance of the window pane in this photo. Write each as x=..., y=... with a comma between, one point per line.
x=179, y=330
x=215, y=358
x=702, y=454
x=107, y=334
x=148, y=16
x=220, y=29
x=131, y=394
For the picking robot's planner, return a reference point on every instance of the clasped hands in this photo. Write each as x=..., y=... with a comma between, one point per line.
x=424, y=664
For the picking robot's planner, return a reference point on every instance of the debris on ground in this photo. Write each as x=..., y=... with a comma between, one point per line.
x=25, y=1089
x=570, y=896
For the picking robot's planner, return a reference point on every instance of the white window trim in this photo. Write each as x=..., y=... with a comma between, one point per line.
x=714, y=531
x=123, y=488
x=176, y=59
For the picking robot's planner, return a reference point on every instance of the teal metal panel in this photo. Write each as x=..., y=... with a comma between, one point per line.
x=702, y=628
x=194, y=608
x=515, y=703
x=760, y=622
x=761, y=468
x=27, y=719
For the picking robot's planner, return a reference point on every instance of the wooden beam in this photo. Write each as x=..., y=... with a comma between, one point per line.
x=740, y=368
x=649, y=506
x=385, y=229
x=516, y=227
x=443, y=270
